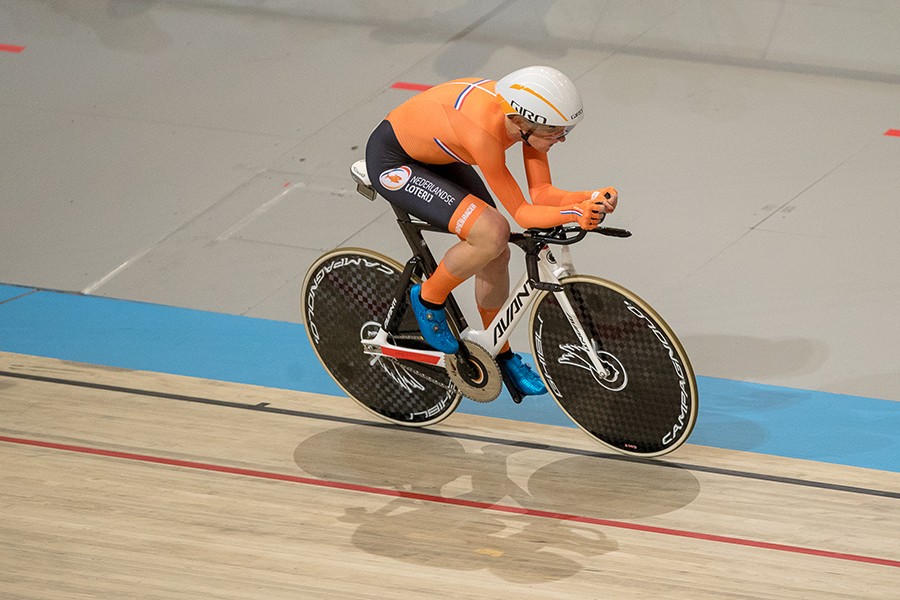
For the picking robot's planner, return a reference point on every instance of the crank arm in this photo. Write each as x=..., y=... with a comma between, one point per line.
x=379, y=346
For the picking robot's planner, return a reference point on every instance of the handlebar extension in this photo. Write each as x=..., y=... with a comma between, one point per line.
x=532, y=240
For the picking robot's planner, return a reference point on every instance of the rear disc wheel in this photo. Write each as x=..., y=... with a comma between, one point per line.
x=345, y=297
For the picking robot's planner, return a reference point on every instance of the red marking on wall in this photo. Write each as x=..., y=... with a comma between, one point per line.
x=491, y=506
x=893, y=132
x=8, y=48
x=405, y=85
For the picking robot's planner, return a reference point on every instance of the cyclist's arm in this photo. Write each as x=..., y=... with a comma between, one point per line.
x=540, y=186
x=489, y=154
x=526, y=215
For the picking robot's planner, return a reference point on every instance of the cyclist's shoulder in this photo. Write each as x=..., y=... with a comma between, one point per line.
x=481, y=82
x=459, y=92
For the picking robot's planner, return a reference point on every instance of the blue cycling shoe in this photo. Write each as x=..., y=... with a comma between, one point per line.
x=433, y=324
x=523, y=377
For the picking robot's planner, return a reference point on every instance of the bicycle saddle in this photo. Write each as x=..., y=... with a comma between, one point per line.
x=361, y=177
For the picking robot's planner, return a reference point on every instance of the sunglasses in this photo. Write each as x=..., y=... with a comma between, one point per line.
x=549, y=132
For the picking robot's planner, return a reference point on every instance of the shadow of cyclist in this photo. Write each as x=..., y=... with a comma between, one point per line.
x=515, y=547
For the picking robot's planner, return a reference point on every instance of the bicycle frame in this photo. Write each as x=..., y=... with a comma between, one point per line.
x=542, y=275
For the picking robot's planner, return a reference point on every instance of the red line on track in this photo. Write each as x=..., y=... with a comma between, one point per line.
x=9, y=48
x=405, y=85
x=453, y=501
x=893, y=132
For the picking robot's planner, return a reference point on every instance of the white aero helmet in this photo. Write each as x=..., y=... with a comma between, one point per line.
x=541, y=95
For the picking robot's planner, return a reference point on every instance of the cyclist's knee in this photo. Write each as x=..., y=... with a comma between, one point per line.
x=491, y=232
x=502, y=259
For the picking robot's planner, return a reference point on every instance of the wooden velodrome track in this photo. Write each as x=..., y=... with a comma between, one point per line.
x=123, y=484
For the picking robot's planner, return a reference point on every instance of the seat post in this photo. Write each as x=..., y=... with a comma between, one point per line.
x=412, y=232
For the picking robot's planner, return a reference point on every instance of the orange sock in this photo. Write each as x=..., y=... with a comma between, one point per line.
x=487, y=315
x=437, y=287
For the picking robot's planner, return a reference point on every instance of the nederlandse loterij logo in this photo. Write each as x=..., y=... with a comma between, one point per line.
x=394, y=179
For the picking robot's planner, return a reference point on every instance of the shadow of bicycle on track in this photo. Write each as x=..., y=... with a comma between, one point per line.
x=524, y=548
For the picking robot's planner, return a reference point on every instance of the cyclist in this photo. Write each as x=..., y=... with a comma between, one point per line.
x=422, y=157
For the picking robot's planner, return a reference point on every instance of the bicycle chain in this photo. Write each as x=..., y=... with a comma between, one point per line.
x=482, y=393
x=410, y=336
x=406, y=364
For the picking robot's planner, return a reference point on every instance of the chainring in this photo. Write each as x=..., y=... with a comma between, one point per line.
x=479, y=380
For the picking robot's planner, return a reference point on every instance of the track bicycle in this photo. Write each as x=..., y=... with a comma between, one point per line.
x=606, y=357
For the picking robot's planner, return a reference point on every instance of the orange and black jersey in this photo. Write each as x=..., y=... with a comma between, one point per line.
x=462, y=121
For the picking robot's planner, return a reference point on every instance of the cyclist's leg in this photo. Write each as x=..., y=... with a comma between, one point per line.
x=492, y=288
x=519, y=373
x=448, y=196
x=484, y=245
x=492, y=280
x=423, y=191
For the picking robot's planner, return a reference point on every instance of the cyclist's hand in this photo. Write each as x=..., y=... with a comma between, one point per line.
x=588, y=214
x=609, y=198
x=592, y=211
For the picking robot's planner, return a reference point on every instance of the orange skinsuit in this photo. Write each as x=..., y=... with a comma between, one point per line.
x=470, y=123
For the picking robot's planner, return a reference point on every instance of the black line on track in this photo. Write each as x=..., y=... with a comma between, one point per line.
x=264, y=407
